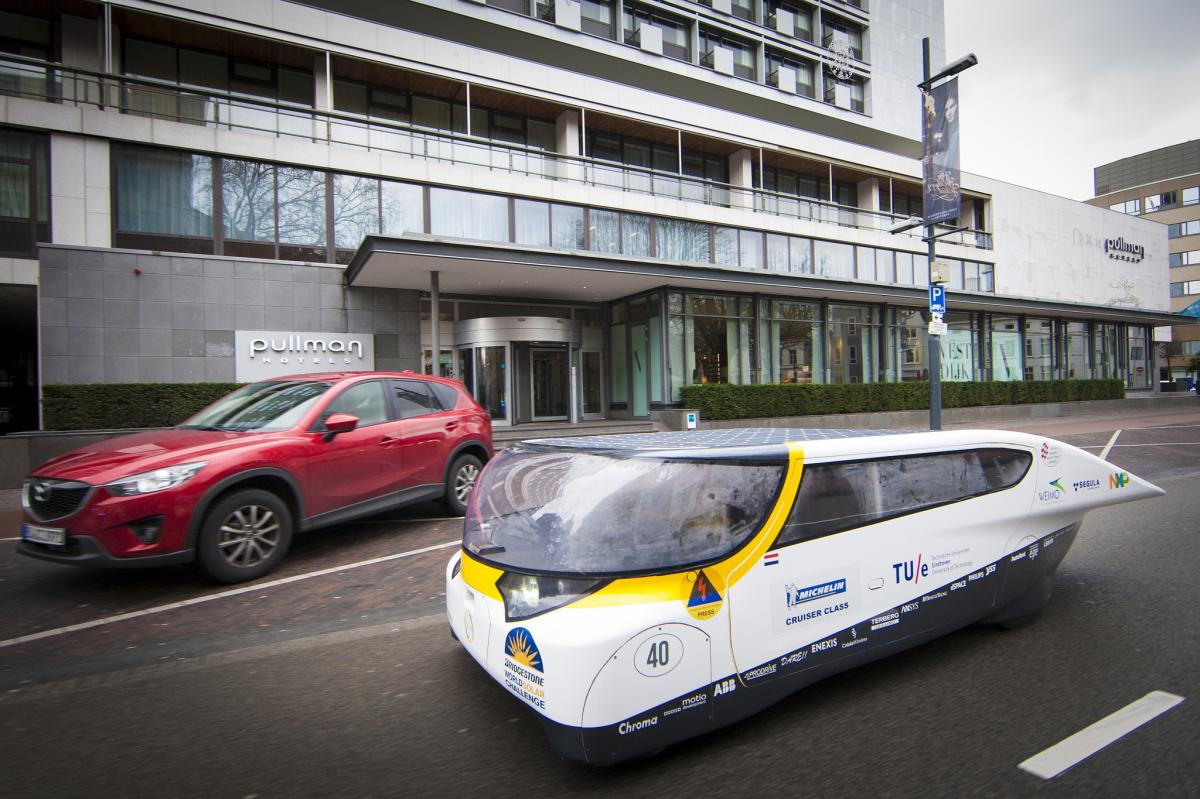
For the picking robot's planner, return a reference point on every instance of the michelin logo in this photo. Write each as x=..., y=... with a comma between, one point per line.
x=798, y=596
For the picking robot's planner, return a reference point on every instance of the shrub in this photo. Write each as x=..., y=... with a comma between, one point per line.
x=726, y=401
x=115, y=406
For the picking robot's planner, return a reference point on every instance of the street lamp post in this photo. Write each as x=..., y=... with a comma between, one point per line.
x=935, y=344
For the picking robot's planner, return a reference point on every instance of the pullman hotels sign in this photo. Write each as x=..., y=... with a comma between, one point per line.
x=260, y=354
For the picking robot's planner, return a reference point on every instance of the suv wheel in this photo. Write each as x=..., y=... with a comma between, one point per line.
x=244, y=536
x=460, y=481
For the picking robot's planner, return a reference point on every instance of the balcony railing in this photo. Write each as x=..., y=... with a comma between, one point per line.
x=194, y=105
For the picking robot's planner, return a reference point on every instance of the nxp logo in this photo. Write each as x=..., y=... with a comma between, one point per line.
x=1118, y=480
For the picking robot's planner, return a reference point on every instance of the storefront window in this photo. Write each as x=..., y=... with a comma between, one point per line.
x=1105, y=354
x=710, y=341
x=790, y=342
x=1139, y=357
x=908, y=341
x=959, y=363
x=1006, y=348
x=1078, y=363
x=853, y=343
x=1039, y=349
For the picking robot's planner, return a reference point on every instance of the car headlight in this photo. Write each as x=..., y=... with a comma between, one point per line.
x=157, y=480
x=527, y=595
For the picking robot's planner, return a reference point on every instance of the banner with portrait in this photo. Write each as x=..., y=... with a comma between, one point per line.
x=939, y=157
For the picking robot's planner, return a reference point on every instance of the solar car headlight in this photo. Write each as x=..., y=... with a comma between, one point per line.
x=157, y=480
x=527, y=595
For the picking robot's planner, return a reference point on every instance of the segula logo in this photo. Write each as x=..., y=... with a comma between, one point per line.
x=704, y=600
x=520, y=647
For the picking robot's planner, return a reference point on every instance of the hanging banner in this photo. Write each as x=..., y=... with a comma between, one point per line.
x=939, y=159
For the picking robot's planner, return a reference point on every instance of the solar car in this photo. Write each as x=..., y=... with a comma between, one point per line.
x=636, y=591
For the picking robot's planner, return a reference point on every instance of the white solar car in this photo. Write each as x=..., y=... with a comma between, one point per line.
x=639, y=590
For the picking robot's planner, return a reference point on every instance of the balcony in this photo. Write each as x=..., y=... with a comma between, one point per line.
x=55, y=83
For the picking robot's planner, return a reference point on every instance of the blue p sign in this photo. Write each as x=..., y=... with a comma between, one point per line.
x=937, y=299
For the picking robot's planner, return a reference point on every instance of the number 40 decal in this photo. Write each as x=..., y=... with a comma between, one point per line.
x=658, y=655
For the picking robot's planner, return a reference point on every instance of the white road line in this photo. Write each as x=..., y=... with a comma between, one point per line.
x=1091, y=739
x=87, y=625
x=1108, y=447
x=18, y=538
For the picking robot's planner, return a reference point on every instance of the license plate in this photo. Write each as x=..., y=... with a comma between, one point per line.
x=44, y=535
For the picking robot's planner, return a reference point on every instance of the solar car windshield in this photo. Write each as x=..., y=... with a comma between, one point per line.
x=555, y=511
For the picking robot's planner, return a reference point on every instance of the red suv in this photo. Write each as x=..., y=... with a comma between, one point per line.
x=229, y=487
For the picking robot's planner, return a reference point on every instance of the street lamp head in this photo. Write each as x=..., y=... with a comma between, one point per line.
x=953, y=68
x=906, y=224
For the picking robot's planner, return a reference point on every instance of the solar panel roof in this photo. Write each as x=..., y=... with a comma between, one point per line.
x=715, y=439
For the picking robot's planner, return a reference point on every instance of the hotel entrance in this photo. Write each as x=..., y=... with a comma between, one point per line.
x=525, y=369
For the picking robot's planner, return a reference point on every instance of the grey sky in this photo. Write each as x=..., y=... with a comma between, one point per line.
x=1063, y=86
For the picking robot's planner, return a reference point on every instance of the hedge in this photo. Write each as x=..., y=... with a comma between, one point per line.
x=725, y=401
x=115, y=406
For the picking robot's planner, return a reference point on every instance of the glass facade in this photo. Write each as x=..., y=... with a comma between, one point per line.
x=24, y=192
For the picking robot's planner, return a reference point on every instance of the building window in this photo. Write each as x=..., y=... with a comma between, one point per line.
x=834, y=259
x=1132, y=207
x=468, y=215
x=681, y=240
x=1189, y=258
x=248, y=207
x=1190, y=196
x=1178, y=229
x=1160, y=202
x=24, y=192
x=675, y=33
x=802, y=70
x=842, y=31
x=802, y=18
x=1005, y=348
x=743, y=53
x=164, y=193
x=596, y=17
x=1185, y=288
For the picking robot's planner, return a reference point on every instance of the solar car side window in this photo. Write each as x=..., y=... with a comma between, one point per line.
x=834, y=497
x=413, y=398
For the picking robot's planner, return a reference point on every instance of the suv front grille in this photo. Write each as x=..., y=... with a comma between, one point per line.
x=48, y=499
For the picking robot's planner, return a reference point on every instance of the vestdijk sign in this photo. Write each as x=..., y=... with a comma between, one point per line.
x=259, y=354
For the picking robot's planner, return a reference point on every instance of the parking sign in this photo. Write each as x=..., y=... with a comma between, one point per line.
x=937, y=299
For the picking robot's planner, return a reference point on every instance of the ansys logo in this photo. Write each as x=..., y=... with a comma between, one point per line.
x=520, y=647
x=704, y=600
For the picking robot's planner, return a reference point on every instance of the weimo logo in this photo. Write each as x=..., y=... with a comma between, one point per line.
x=1054, y=493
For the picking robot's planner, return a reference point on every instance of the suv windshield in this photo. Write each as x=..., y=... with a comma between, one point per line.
x=260, y=407
x=555, y=511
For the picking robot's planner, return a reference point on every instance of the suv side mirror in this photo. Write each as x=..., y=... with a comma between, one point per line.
x=340, y=423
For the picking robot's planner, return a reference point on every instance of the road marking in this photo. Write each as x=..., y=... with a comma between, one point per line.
x=1108, y=447
x=134, y=674
x=87, y=625
x=1063, y=755
x=18, y=538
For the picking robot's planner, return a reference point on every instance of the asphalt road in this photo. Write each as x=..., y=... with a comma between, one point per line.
x=346, y=682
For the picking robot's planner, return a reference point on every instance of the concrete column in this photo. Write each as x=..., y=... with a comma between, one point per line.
x=435, y=313
x=322, y=94
x=868, y=200
x=80, y=196
x=741, y=176
x=566, y=142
